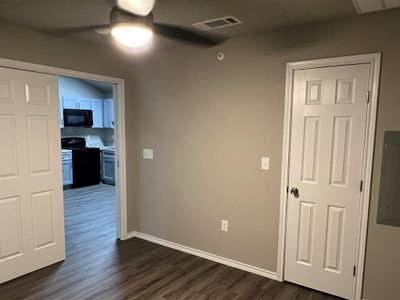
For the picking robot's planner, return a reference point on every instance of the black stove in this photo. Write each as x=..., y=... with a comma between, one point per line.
x=85, y=161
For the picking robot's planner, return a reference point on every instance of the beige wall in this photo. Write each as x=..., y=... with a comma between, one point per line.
x=210, y=122
x=26, y=45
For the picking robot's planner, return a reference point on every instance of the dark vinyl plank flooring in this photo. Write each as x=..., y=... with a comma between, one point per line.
x=99, y=267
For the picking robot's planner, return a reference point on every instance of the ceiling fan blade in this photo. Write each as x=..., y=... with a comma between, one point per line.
x=101, y=29
x=186, y=35
x=137, y=7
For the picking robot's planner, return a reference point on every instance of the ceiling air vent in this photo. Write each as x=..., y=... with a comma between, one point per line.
x=217, y=23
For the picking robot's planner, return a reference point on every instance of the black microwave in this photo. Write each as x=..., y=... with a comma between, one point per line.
x=78, y=118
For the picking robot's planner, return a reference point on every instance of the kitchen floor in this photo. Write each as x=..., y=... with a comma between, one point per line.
x=90, y=213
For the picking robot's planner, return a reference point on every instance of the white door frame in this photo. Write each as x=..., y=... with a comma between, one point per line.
x=375, y=62
x=119, y=112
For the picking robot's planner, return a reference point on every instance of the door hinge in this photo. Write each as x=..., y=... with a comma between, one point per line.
x=361, y=185
x=118, y=164
x=354, y=271
x=368, y=96
x=287, y=190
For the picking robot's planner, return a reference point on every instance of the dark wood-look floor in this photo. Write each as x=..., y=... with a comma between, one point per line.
x=99, y=267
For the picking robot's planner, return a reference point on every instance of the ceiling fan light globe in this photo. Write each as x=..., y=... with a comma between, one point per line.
x=132, y=35
x=137, y=7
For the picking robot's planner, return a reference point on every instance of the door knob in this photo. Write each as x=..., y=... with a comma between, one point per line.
x=295, y=192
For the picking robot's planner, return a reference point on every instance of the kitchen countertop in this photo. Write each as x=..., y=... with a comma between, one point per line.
x=109, y=148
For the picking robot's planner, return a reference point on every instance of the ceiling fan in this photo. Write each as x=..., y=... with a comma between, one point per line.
x=132, y=25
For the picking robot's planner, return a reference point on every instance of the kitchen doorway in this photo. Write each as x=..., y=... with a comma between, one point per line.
x=87, y=125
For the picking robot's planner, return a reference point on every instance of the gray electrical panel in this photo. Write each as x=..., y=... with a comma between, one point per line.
x=389, y=192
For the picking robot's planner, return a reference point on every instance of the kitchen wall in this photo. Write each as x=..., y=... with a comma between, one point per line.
x=108, y=95
x=210, y=122
x=105, y=134
x=72, y=87
x=77, y=88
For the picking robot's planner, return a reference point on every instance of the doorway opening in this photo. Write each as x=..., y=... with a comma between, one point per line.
x=88, y=145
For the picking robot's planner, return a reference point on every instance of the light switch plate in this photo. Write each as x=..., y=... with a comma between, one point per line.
x=148, y=153
x=264, y=163
x=224, y=225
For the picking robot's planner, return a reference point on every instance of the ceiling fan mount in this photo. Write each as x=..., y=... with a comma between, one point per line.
x=132, y=24
x=119, y=16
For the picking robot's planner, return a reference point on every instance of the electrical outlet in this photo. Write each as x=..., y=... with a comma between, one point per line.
x=224, y=225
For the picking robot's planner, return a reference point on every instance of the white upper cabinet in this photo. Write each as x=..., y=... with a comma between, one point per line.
x=76, y=103
x=69, y=102
x=108, y=113
x=98, y=113
x=84, y=103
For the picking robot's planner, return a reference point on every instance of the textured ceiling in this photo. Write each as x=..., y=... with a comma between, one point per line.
x=257, y=15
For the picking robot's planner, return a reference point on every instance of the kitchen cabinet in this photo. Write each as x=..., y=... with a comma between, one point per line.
x=67, y=168
x=98, y=113
x=108, y=166
x=108, y=113
x=67, y=173
x=69, y=102
x=84, y=103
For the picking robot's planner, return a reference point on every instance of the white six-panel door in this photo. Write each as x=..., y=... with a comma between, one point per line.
x=31, y=200
x=327, y=141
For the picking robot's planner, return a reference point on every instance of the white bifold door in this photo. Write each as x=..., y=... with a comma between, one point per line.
x=31, y=199
x=326, y=161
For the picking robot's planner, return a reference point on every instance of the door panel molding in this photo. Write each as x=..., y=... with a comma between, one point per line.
x=305, y=232
x=10, y=213
x=8, y=169
x=343, y=94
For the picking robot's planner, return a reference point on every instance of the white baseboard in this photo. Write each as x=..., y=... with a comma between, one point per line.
x=132, y=234
x=206, y=255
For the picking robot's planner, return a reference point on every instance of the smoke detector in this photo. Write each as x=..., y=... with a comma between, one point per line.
x=217, y=23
